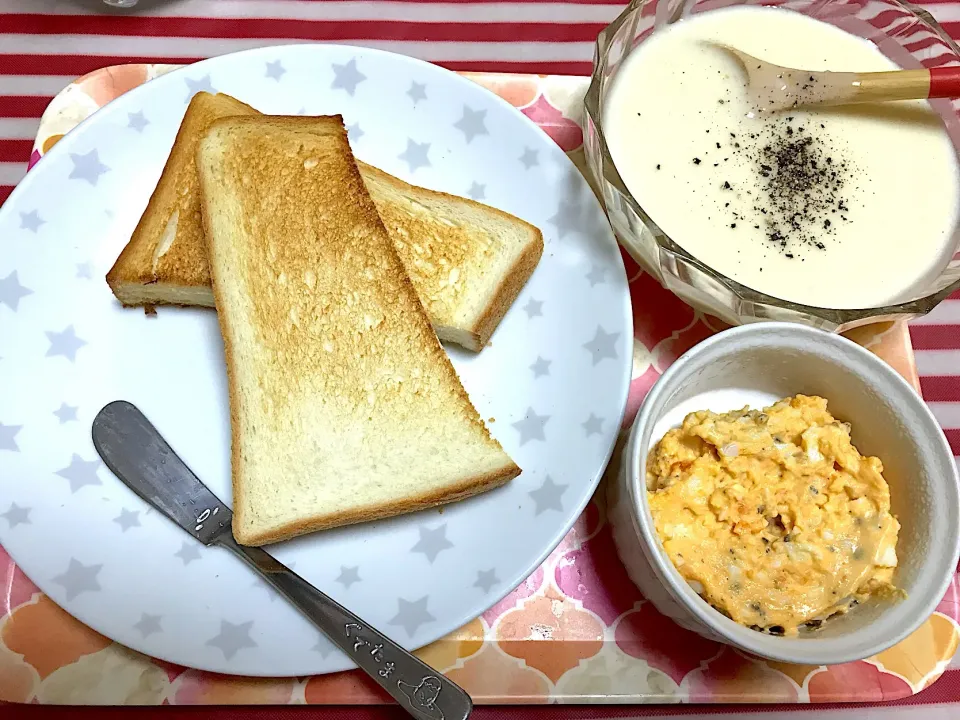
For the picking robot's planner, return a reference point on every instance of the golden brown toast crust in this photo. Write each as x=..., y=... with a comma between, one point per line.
x=508, y=290
x=178, y=191
x=469, y=488
x=349, y=259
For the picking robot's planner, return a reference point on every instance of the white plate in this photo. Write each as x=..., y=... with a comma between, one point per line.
x=555, y=377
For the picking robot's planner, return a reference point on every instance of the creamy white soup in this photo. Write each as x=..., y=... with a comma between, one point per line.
x=839, y=207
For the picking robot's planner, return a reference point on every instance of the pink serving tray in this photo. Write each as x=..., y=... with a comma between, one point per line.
x=577, y=630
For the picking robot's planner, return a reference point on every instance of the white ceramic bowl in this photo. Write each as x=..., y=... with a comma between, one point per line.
x=755, y=365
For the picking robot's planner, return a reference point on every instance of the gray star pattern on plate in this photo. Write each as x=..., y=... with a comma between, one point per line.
x=17, y=515
x=531, y=427
x=416, y=155
x=348, y=575
x=486, y=579
x=66, y=413
x=80, y=472
x=411, y=615
x=8, y=437
x=417, y=92
x=199, y=85
x=65, y=343
x=188, y=552
x=533, y=308
x=567, y=218
x=603, y=345
x=84, y=272
x=79, y=578
x=354, y=132
x=548, y=496
x=432, y=542
x=471, y=124
x=232, y=638
x=597, y=275
x=275, y=70
x=323, y=645
x=11, y=291
x=477, y=191
x=347, y=77
x=541, y=367
x=137, y=121
x=127, y=519
x=529, y=158
x=87, y=167
x=31, y=221
x=592, y=425
x=148, y=624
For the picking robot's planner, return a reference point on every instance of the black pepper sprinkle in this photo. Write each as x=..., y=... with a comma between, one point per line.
x=798, y=182
x=658, y=166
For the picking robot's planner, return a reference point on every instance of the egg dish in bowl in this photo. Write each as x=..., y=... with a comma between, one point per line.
x=701, y=477
x=772, y=515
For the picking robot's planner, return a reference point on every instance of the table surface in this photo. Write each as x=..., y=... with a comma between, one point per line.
x=58, y=40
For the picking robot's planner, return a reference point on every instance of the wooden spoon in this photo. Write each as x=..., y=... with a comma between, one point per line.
x=773, y=87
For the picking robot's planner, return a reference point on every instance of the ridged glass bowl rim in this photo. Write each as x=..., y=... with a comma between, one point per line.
x=839, y=317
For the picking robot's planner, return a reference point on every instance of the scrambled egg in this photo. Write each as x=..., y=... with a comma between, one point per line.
x=773, y=517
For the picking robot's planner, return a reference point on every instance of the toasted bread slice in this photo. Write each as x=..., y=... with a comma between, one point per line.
x=165, y=261
x=467, y=261
x=344, y=406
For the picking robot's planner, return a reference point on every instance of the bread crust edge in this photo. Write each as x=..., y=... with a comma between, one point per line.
x=467, y=488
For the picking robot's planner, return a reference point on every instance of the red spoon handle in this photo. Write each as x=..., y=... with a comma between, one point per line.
x=944, y=82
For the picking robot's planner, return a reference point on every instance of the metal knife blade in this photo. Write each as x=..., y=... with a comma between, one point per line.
x=137, y=454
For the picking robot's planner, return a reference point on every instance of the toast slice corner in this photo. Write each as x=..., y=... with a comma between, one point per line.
x=468, y=261
x=164, y=263
x=344, y=406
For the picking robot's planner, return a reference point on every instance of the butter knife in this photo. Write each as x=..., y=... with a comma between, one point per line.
x=137, y=454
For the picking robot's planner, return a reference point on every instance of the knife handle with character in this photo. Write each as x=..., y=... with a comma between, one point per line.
x=133, y=449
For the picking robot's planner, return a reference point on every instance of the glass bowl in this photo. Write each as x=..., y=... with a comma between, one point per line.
x=906, y=34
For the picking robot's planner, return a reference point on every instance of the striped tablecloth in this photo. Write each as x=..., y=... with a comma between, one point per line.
x=44, y=44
